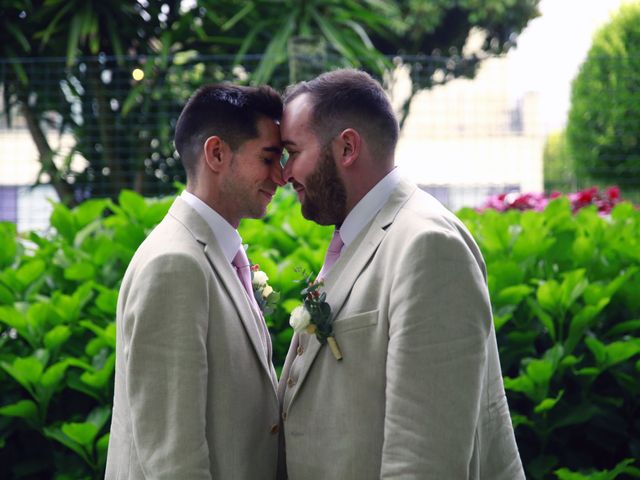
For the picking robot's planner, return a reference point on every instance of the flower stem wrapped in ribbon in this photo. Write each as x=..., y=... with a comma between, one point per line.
x=314, y=316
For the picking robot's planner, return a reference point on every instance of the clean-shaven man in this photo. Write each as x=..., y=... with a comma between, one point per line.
x=419, y=392
x=195, y=389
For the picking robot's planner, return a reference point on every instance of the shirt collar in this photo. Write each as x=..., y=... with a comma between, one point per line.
x=368, y=207
x=227, y=236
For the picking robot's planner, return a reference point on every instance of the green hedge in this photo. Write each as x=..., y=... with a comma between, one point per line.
x=565, y=292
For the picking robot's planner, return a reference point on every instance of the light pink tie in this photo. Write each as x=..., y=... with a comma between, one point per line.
x=243, y=269
x=333, y=252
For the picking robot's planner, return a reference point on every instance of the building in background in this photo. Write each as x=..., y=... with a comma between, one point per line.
x=468, y=139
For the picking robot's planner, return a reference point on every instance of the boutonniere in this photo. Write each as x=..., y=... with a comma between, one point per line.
x=313, y=316
x=265, y=296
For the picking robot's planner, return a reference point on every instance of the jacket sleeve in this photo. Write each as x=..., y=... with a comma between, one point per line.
x=166, y=317
x=439, y=324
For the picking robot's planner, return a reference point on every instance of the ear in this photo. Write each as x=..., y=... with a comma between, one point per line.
x=347, y=147
x=215, y=153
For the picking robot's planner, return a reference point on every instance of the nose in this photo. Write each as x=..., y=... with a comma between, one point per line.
x=287, y=175
x=276, y=174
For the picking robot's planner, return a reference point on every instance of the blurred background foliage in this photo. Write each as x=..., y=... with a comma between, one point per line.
x=604, y=120
x=564, y=290
x=123, y=126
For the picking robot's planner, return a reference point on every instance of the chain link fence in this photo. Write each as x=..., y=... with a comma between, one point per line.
x=105, y=124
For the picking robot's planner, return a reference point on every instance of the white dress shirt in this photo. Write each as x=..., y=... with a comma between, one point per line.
x=227, y=236
x=368, y=207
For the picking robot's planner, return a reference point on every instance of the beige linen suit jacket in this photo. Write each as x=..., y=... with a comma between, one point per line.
x=419, y=392
x=195, y=396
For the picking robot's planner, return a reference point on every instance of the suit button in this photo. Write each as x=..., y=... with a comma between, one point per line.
x=300, y=350
x=275, y=428
x=291, y=382
x=284, y=416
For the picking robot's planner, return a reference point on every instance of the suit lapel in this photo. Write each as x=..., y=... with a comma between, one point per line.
x=344, y=273
x=228, y=277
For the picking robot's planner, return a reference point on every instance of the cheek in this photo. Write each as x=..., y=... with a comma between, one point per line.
x=303, y=167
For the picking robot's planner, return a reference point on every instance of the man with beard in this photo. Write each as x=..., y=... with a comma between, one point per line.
x=195, y=389
x=418, y=393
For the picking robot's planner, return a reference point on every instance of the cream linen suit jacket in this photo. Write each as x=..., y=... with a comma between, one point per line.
x=195, y=396
x=419, y=392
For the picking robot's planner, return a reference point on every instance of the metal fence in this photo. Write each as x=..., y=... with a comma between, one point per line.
x=105, y=124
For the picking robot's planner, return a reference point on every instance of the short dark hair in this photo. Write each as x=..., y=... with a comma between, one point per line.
x=349, y=98
x=230, y=112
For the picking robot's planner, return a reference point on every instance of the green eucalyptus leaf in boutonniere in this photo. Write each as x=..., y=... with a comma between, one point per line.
x=265, y=295
x=313, y=316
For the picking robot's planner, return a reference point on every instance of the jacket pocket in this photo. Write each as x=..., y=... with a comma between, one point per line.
x=355, y=322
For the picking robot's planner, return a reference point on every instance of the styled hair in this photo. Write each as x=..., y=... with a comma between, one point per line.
x=349, y=98
x=230, y=112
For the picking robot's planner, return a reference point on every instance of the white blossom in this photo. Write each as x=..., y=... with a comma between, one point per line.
x=266, y=291
x=300, y=318
x=259, y=279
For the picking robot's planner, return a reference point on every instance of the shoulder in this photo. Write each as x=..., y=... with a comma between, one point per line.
x=423, y=226
x=169, y=248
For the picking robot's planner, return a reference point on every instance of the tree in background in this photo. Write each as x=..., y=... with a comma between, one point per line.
x=123, y=126
x=604, y=119
x=559, y=170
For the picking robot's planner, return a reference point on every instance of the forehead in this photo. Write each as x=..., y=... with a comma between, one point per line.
x=296, y=118
x=268, y=130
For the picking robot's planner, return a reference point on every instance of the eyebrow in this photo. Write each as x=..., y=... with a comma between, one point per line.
x=277, y=150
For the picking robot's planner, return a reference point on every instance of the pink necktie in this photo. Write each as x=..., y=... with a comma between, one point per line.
x=333, y=252
x=243, y=269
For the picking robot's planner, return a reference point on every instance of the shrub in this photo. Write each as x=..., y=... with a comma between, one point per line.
x=564, y=292
x=604, y=118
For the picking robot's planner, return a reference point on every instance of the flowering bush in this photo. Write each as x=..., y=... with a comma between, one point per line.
x=604, y=201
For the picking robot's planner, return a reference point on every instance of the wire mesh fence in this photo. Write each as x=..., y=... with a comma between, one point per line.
x=105, y=124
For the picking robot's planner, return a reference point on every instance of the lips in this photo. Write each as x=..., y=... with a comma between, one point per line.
x=269, y=195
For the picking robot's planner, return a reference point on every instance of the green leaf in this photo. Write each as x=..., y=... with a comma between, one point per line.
x=56, y=337
x=80, y=271
x=133, y=204
x=8, y=244
x=544, y=317
x=598, y=349
x=54, y=375
x=62, y=220
x=58, y=434
x=581, y=321
x=513, y=294
x=26, y=371
x=540, y=371
x=89, y=211
x=6, y=296
x=573, y=284
x=107, y=301
x=522, y=384
x=549, y=296
x=24, y=409
x=82, y=433
x=30, y=271
x=102, y=377
x=548, y=403
x=624, y=327
x=618, y=352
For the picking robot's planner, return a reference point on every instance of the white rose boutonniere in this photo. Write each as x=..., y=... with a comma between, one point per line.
x=300, y=319
x=314, y=316
x=259, y=278
x=265, y=295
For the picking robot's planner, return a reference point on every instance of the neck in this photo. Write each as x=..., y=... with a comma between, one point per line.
x=362, y=183
x=213, y=201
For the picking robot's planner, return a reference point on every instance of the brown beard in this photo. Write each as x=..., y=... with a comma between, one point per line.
x=326, y=196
